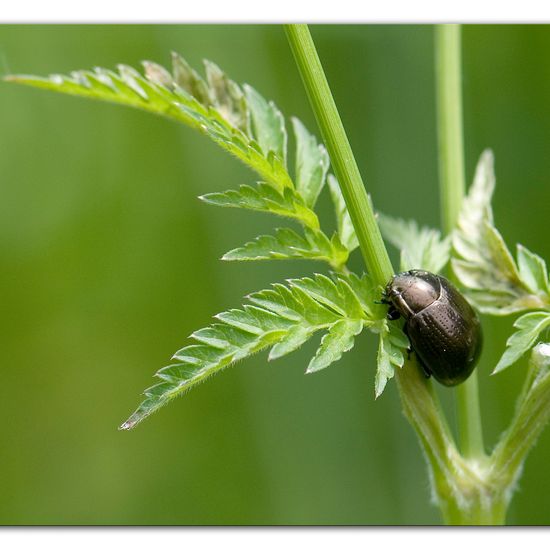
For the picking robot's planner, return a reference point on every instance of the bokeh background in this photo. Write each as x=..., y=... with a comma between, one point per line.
x=108, y=262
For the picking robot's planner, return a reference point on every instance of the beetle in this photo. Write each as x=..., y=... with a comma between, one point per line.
x=443, y=329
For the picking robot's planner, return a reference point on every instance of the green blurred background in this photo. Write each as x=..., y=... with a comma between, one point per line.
x=108, y=263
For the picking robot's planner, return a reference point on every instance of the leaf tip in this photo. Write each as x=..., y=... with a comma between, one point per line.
x=379, y=387
x=128, y=425
x=488, y=154
x=501, y=365
x=229, y=256
x=496, y=370
x=314, y=367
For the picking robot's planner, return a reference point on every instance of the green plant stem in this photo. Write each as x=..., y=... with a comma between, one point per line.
x=531, y=416
x=469, y=418
x=420, y=403
x=341, y=156
x=449, y=121
x=452, y=186
x=465, y=491
x=464, y=487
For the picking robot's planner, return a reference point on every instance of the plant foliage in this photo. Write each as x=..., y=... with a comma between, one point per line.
x=241, y=121
x=281, y=318
x=421, y=247
x=495, y=283
x=492, y=280
x=529, y=326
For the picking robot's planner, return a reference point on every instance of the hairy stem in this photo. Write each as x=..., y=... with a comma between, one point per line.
x=531, y=416
x=452, y=185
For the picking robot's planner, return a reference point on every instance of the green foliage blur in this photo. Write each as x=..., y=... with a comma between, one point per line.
x=108, y=263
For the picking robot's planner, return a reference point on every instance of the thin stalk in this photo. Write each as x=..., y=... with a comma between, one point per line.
x=469, y=418
x=449, y=120
x=452, y=190
x=420, y=403
x=341, y=156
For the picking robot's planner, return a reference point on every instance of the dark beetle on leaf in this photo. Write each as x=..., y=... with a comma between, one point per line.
x=443, y=329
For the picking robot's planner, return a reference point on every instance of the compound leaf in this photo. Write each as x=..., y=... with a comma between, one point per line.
x=529, y=328
x=421, y=247
x=312, y=164
x=532, y=270
x=287, y=244
x=346, y=231
x=391, y=345
x=282, y=317
x=216, y=107
x=264, y=198
x=268, y=124
x=483, y=263
x=339, y=339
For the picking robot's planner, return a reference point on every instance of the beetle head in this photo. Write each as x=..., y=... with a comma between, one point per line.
x=411, y=292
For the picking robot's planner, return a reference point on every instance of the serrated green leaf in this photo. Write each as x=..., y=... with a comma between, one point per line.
x=264, y=198
x=398, y=339
x=483, y=264
x=339, y=339
x=268, y=124
x=391, y=345
x=157, y=74
x=107, y=86
x=336, y=295
x=227, y=97
x=282, y=317
x=133, y=80
x=290, y=304
x=287, y=244
x=312, y=164
x=368, y=294
x=217, y=108
x=529, y=328
x=421, y=247
x=346, y=230
x=187, y=79
x=293, y=339
x=532, y=270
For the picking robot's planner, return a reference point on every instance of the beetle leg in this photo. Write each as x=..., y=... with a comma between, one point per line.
x=427, y=372
x=393, y=314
